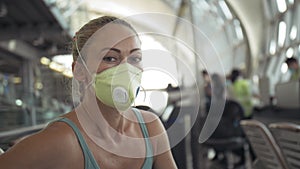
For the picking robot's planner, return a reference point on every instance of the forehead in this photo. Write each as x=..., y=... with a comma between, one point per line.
x=109, y=36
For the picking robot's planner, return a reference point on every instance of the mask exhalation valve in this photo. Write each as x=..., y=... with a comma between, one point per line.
x=120, y=95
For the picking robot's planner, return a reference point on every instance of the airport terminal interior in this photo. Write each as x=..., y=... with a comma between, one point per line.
x=221, y=75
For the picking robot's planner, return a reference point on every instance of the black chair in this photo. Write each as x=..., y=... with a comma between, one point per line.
x=228, y=138
x=287, y=136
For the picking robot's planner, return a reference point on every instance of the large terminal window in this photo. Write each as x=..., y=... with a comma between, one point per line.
x=282, y=41
x=223, y=28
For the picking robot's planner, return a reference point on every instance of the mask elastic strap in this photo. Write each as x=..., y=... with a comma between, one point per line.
x=83, y=62
x=145, y=93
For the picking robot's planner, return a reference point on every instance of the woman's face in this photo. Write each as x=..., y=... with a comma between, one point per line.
x=111, y=46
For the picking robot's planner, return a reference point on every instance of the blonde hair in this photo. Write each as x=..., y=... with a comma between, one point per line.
x=86, y=31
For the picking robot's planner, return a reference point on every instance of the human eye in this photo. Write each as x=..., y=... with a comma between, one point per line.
x=135, y=59
x=110, y=59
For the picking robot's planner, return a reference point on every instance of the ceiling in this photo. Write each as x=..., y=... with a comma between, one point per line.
x=33, y=30
x=37, y=27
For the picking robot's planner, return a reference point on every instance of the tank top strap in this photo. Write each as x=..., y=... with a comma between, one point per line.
x=89, y=160
x=149, y=151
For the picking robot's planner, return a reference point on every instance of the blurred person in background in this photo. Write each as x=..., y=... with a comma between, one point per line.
x=240, y=90
x=293, y=67
x=207, y=90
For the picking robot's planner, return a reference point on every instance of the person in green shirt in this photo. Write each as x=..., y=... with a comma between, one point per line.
x=293, y=66
x=241, y=92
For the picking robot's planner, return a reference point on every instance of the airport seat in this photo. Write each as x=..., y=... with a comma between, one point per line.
x=228, y=139
x=264, y=145
x=227, y=147
x=287, y=136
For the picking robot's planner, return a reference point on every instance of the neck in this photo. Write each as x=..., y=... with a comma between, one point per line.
x=112, y=116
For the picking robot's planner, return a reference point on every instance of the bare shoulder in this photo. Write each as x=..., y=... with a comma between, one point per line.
x=154, y=125
x=51, y=147
x=148, y=114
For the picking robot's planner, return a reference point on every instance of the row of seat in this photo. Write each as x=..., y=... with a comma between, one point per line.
x=277, y=146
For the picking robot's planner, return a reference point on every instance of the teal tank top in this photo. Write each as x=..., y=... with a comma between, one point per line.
x=89, y=160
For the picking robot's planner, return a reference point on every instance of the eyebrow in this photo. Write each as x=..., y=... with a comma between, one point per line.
x=119, y=51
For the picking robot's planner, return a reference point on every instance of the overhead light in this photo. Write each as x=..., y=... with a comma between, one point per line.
x=56, y=66
x=65, y=60
x=68, y=73
x=272, y=48
x=290, y=52
x=39, y=85
x=45, y=61
x=12, y=45
x=281, y=5
x=18, y=102
x=281, y=33
x=62, y=64
x=284, y=68
x=238, y=29
x=293, y=33
x=225, y=9
x=255, y=79
x=17, y=80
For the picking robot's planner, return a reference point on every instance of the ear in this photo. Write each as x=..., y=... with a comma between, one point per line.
x=78, y=71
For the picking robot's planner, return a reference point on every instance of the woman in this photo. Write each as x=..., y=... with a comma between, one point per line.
x=103, y=131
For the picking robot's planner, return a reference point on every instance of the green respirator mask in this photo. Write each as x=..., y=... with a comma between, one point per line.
x=118, y=86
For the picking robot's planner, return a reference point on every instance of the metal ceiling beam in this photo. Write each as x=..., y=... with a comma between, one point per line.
x=21, y=49
x=52, y=33
x=9, y=62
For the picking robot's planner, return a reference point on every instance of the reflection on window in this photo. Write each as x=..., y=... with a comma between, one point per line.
x=281, y=33
x=272, y=49
x=225, y=9
x=290, y=52
x=284, y=68
x=204, y=5
x=238, y=30
x=231, y=34
x=273, y=7
x=267, y=10
x=293, y=33
x=281, y=5
x=284, y=42
x=216, y=20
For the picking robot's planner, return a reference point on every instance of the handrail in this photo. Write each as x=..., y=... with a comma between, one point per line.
x=22, y=130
